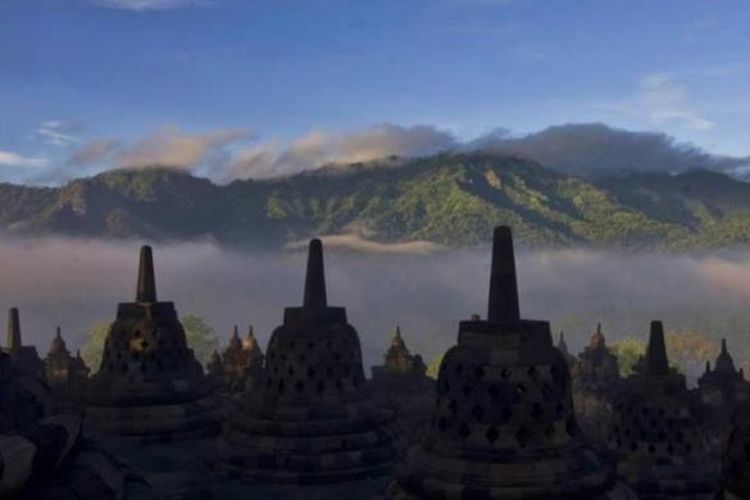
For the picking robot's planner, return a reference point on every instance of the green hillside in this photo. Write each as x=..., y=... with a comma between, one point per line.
x=450, y=199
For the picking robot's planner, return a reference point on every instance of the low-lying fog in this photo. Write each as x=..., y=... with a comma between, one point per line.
x=78, y=283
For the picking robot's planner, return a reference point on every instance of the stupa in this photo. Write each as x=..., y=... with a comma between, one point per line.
x=149, y=385
x=659, y=433
x=504, y=425
x=311, y=420
x=242, y=361
x=596, y=381
x=399, y=361
x=64, y=372
x=24, y=357
x=401, y=382
x=724, y=386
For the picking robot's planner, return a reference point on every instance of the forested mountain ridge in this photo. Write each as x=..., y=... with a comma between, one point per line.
x=450, y=199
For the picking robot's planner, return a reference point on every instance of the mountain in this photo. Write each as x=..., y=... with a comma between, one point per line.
x=450, y=199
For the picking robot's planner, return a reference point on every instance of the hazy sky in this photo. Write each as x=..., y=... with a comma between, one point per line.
x=83, y=80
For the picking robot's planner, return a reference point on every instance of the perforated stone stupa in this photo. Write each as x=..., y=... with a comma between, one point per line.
x=311, y=420
x=149, y=384
x=659, y=433
x=504, y=425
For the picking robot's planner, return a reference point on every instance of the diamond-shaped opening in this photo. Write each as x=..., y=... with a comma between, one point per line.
x=532, y=372
x=571, y=426
x=311, y=372
x=549, y=431
x=522, y=436
x=492, y=434
x=479, y=372
x=320, y=387
x=459, y=368
x=299, y=386
x=506, y=413
x=537, y=411
x=464, y=430
x=477, y=412
x=494, y=391
x=520, y=391
x=546, y=391
x=467, y=388
x=442, y=424
x=282, y=387
x=453, y=406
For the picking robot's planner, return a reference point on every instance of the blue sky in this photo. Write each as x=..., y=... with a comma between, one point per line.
x=90, y=84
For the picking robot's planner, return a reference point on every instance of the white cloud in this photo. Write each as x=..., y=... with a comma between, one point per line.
x=144, y=5
x=58, y=132
x=662, y=101
x=171, y=147
x=9, y=159
x=320, y=148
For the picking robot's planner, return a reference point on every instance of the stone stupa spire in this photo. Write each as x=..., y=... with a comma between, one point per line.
x=146, y=291
x=503, y=298
x=13, y=339
x=315, y=281
x=656, y=362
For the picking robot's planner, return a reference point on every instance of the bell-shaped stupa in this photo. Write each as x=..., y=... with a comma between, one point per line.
x=659, y=431
x=149, y=384
x=311, y=420
x=504, y=425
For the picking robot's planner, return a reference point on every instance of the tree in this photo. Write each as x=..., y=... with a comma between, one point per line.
x=433, y=368
x=201, y=337
x=91, y=352
x=628, y=351
x=690, y=350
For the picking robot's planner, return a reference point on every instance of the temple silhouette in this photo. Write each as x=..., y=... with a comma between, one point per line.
x=504, y=424
x=311, y=419
x=149, y=385
x=511, y=415
x=658, y=431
